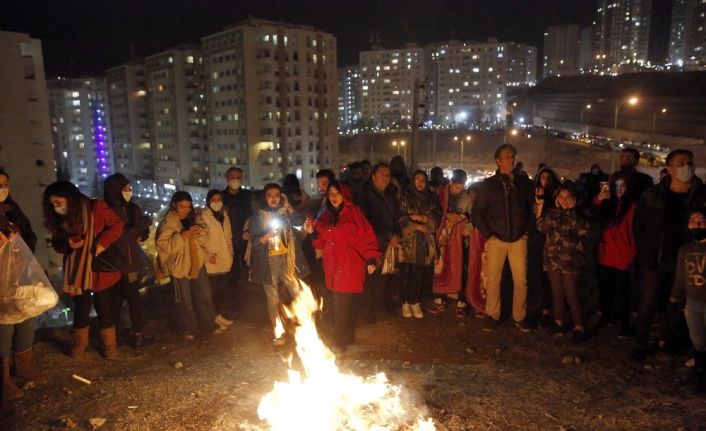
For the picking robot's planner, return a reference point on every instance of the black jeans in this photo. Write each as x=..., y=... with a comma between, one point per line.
x=101, y=300
x=371, y=302
x=223, y=295
x=415, y=279
x=655, y=283
x=130, y=292
x=614, y=289
x=343, y=319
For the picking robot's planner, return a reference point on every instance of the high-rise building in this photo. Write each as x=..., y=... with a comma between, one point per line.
x=687, y=42
x=348, y=97
x=586, y=60
x=129, y=122
x=622, y=30
x=561, y=51
x=388, y=81
x=80, y=131
x=176, y=113
x=466, y=81
x=26, y=147
x=272, y=102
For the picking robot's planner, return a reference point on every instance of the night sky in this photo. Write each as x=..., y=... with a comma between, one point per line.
x=85, y=37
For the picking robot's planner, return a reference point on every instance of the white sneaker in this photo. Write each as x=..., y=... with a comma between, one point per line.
x=278, y=341
x=417, y=311
x=222, y=321
x=406, y=310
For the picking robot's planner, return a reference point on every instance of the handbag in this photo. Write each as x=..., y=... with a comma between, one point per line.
x=389, y=263
x=111, y=260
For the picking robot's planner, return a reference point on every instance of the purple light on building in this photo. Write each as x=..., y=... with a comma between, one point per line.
x=99, y=139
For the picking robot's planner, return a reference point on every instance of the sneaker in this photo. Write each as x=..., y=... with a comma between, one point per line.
x=138, y=339
x=222, y=321
x=438, y=307
x=406, y=310
x=460, y=312
x=523, y=326
x=279, y=341
x=417, y=311
x=189, y=337
x=480, y=314
x=556, y=329
x=491, y=324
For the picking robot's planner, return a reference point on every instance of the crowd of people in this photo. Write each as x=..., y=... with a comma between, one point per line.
x=378, y=241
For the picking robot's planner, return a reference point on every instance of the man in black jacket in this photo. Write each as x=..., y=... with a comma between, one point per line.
x=503, y=212
x=638, y=181
x=660, y=228
x=382, y=211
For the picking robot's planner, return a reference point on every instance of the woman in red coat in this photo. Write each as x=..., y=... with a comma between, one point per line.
x=82, y=229
x=616, y=250
x=349, y=248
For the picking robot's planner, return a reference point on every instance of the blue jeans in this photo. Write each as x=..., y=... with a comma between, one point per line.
x=695, y=314
x=18, y=337
x=195, y=304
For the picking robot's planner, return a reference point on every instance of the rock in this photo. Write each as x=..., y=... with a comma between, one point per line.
x=406, y=364
x=132, y=407
x=363, y=364
x=470, y=351
x=577, y=360
x=497, y=350
x=66, y=422
x=690, y=363
x=648, y=367
x=566, y=360
x=96, y=422
x=178, y=365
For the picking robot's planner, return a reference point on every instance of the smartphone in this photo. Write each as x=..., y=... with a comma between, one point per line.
x=604, y=186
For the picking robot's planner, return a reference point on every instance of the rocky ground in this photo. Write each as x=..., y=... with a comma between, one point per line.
x=468, y=379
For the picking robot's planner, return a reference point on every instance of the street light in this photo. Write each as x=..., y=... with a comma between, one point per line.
x=404, y=155
x=632, y=101
x=513, y=132
x=654, y=118
x=468, y=139
x=394, y=144
x=584, y=108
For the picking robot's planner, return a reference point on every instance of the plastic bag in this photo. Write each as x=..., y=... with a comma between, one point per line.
x=25, y=290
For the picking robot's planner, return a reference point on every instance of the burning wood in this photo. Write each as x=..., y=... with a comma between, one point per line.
x=325, y=399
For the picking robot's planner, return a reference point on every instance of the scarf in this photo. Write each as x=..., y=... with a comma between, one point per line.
x=78, y=276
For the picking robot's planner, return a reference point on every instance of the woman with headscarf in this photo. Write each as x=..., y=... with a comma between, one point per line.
x=420, y=214
x=117, y=191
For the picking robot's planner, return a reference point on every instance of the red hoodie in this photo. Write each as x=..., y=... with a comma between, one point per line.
x=617, y=247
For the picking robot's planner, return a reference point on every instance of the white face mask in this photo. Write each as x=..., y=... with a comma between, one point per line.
x=4, y=193
x=216, y=206
x=685, y=173
x=234, y=184
x=127, y=196
x=61, y=210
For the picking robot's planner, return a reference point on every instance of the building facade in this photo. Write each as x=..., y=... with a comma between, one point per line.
x=687, y=42
x=129, y=122
x=561, y=51
x=26, y=148
x=272, y=102
x=176, y=104
x=348, y=98
x=622, y=30
x=388, y=81
x=81, y=131
x=467, y=81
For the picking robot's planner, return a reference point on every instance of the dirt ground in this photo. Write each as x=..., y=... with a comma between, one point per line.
x=469, y=379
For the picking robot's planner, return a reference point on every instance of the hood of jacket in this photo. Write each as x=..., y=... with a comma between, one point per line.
x=113, y=190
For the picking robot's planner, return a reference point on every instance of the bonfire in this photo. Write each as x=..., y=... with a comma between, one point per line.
x=321, y=397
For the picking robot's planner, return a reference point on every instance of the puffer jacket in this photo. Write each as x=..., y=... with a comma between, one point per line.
x=505, y=208
x=649, y=221
x=564, y=248
x=219, y=244
x=173, y=252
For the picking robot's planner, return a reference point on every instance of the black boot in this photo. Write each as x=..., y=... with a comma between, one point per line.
x=700, y=370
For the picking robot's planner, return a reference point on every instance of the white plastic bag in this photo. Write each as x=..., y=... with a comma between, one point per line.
x=25, y=290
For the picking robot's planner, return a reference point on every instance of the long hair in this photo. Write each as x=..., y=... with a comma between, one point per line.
x=619, y=207
x=268, y=187
x=181, y=196
x=74, y=203
x=333, y=211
